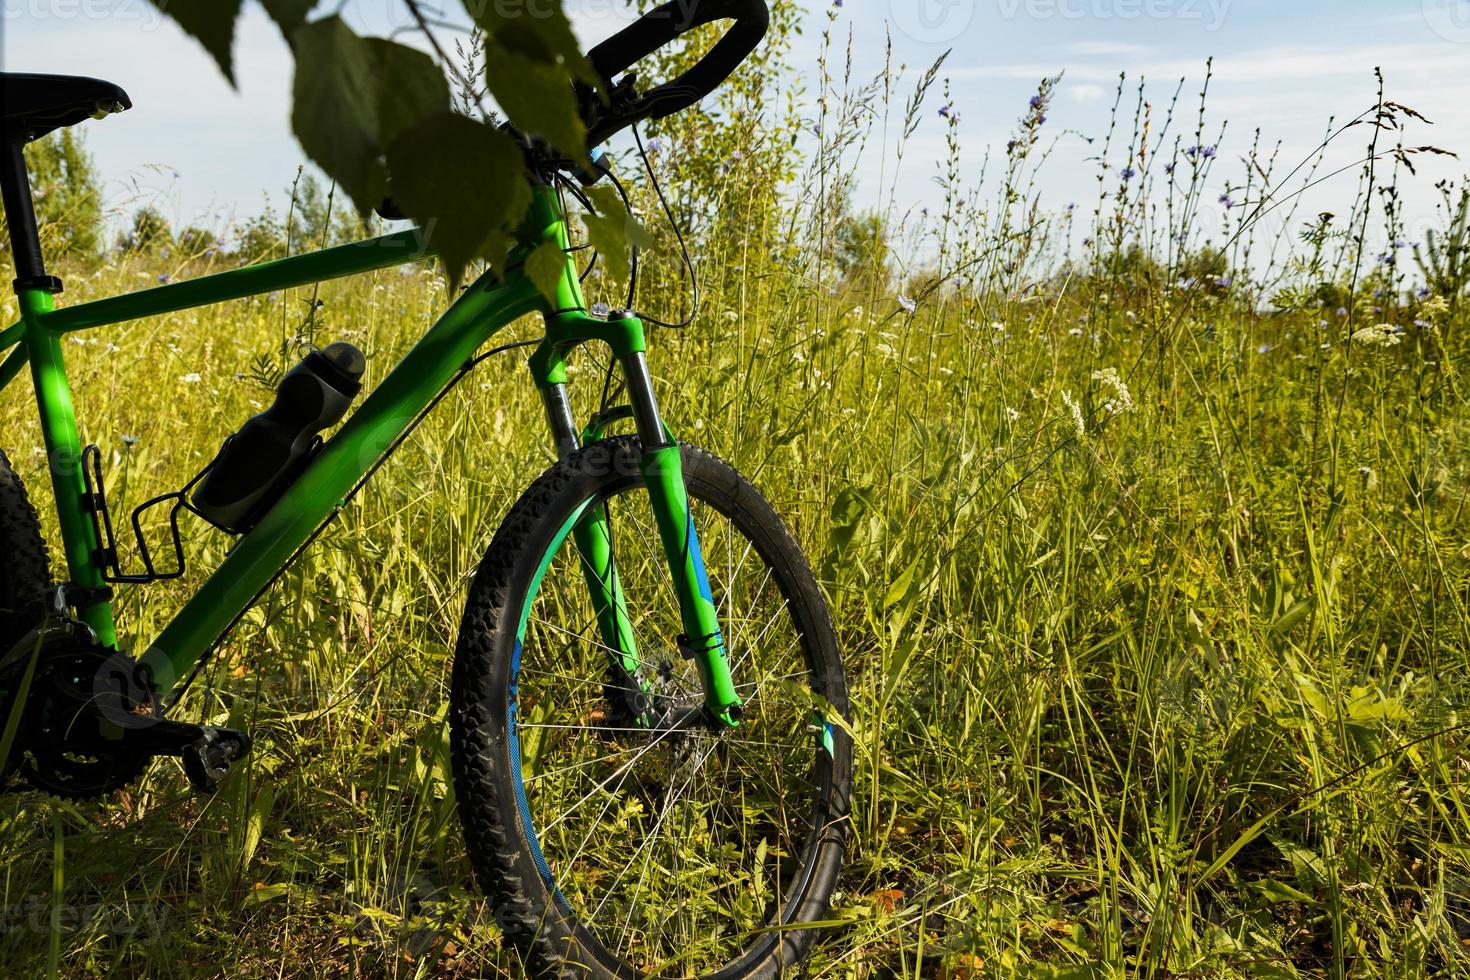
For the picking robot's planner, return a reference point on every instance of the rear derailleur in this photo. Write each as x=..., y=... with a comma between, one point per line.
x=90, y=722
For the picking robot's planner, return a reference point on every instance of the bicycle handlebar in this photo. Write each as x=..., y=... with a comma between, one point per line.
x=663, y=25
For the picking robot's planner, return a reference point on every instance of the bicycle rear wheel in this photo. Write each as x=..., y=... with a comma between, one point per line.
x=612, y=847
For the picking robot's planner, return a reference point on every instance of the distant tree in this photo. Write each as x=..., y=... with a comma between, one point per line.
x=862, y=247
x=260, y=237
x=150, y=232
x=195, y=241
x=68, y=199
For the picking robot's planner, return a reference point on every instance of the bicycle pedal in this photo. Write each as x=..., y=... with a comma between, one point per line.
x=207, y=760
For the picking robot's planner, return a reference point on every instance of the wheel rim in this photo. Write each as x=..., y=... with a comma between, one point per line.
x=674, y=852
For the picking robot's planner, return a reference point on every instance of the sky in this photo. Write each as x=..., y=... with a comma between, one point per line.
x=204, y=152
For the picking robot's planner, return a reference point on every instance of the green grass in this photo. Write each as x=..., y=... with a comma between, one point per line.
x=1172, y=689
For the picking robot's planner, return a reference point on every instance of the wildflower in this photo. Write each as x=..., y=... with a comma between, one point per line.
x=944, y=110
x=997, y=325
x=1128, y=173
x=1227, y=200
x=1224, y=282
x=731, y=315
x=1074, y=331
x=1169, y=167
x=1434, y=309
x=600, y=309
x=1265, y=349
x=1041, y=119
x=1075, y=410
x=908, y=305
x=1379, y=335
x=164, y=277
x=192, y=378
x=1036, y=101
x=656, y=145
x=1122, y=398
x=1208, y=152
x=1011, y=414
x=129, y=440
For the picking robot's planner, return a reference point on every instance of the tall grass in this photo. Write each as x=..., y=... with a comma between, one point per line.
x=1153, y=591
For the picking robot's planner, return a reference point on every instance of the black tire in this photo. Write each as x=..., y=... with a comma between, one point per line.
x=527, y=895
x=25, y=579
x=25, y=571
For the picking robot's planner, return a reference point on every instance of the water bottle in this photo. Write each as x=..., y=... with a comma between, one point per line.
x=258, y=463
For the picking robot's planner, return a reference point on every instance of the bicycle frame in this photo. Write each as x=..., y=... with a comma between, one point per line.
x=485, y=307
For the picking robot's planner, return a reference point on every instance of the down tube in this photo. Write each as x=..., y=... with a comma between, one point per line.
x=390, y=408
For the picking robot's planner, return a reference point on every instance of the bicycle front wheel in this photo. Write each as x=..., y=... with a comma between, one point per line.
x=612, y=845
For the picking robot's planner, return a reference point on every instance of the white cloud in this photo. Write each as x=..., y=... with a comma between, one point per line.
x=1087, y=93
x=1104, y=48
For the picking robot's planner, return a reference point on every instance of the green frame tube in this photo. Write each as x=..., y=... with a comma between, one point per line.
x=485, y=307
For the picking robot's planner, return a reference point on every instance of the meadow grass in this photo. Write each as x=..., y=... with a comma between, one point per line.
x=1153, y=597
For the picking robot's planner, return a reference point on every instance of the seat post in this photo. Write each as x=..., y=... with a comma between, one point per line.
x=20, y=215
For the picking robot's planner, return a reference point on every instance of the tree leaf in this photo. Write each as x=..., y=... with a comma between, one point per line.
x=536, y=97
x=463, y=182
x=211, y=23
x=612, y=230
x=353, y=96
x=545, y=267
x=540, y=32
x=288, y=14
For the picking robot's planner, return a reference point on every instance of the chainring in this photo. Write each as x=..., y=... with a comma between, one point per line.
x=65, y=745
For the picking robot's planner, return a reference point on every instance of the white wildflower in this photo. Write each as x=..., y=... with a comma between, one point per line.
x=1379, y=335
x=192, y=378
x=1434, y=308
x=907, y=304
x=1075, y=409
x=1122, y=398
x=1012, y=415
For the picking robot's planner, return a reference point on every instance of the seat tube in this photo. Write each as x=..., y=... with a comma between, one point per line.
x=64, y=461
x=664, y=474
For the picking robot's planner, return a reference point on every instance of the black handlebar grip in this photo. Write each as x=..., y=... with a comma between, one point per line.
x=258, y=462
x=663, y=25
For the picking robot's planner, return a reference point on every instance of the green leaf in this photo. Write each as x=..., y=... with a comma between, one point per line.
x=536, y=97
x=545, y=267
x=464, y=183
x=612, y=230
x=211, y=23
x=539, y=31
x=288, y=14
x=353, y=96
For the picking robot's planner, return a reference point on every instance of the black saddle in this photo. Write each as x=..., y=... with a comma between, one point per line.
x=34, y=105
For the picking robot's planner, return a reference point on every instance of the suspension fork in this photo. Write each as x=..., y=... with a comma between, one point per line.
x=662, y=470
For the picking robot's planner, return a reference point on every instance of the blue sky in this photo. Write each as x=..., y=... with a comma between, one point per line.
x=204, y=152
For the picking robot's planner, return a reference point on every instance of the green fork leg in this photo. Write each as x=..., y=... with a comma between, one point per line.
x=593, y=538
x=64, y=459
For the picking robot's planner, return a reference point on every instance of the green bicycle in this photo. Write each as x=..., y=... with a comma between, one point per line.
x=650, y=765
